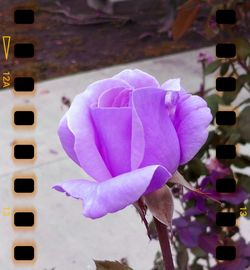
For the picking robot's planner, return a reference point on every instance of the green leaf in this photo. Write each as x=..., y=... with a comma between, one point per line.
x=198, y=252
x=197, y=167
x=243, y=80
x=241, y=161
x=182, y=258
x=190, y=203
x=226, y=131
x=152, y=230
x=213, y=102
x=212, y=67
x=202, y=219
x=196, y=267
x=243, y=48
x=229, y=97
x=108, y=265
x=233, y=138
x=158, y=262
x=244, y=181
x=224, y=68
x=244, y=124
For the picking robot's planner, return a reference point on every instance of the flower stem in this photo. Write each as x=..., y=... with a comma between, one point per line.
x=164, y=243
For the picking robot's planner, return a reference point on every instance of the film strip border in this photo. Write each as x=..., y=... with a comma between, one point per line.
x=24, y=118
x=226, y=118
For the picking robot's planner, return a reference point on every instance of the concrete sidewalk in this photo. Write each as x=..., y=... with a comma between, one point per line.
x=66, y=240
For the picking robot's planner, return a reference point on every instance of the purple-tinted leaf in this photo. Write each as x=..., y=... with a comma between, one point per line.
x=161, y=205
x=192, y=211
x=237, y=264
x=238, y=197
x=246, y=251
x=189, y=236
x=177, y=178
x=208, y=242
x=180, y=222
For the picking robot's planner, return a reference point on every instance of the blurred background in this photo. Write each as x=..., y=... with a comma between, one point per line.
x=79, y=35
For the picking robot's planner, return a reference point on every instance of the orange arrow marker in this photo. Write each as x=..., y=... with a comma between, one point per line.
x=6, y=46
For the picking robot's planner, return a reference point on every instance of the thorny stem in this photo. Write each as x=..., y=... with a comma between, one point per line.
x=165, y=245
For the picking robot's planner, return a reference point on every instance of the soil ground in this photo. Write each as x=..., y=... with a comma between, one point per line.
x=63, y=46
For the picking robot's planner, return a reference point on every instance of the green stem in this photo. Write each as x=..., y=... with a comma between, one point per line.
x=209, y=90
x=243, y=65
x=203, y=75
x=165, y=245
x=208, y=263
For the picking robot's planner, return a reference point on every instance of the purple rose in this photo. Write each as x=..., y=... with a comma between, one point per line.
x=129, y=134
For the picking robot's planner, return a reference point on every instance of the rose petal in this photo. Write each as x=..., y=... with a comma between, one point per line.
x=95, y=89
x=161, y=141
x=191, y=119
x=123, y=99
x=113, y=136
x=80, y=124
x=106, y=99
x=172, y=85
x=137, y=78
x=137, y=140
x=67, y=139
x=116, y=193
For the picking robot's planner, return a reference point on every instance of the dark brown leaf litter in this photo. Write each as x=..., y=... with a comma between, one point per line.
x=66, y=101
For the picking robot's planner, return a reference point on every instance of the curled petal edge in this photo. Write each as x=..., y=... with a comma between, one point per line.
x=112, y=195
